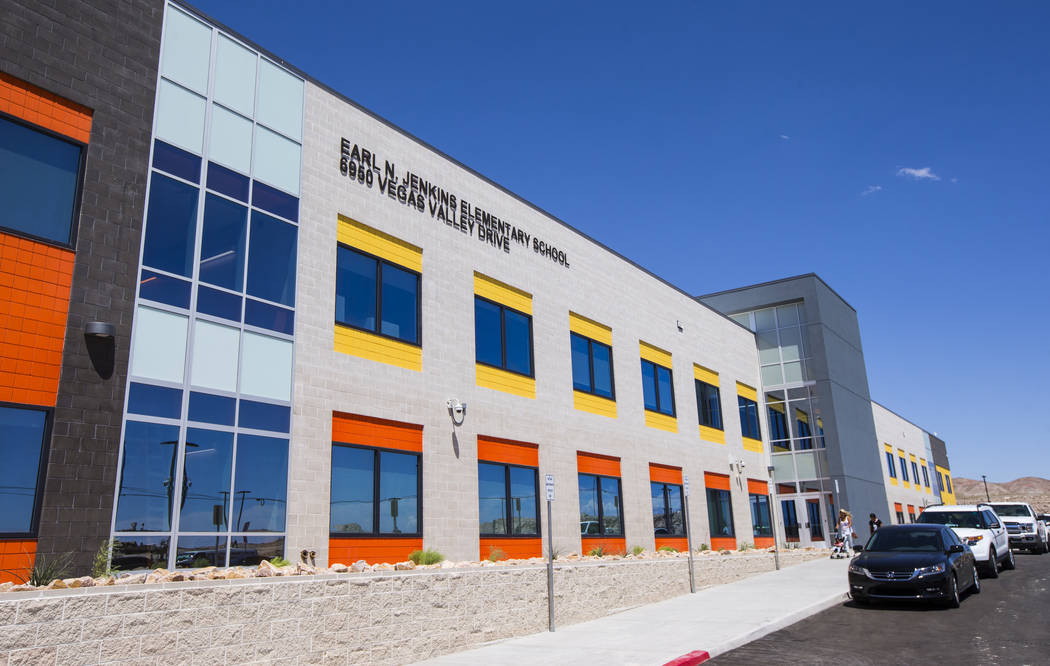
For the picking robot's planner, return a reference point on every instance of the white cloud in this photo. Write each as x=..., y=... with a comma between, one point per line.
x=785, y=137
x=871, y=189
x=955, y=180
x=924, y=173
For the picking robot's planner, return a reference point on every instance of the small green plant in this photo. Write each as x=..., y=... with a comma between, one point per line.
x=200, y=562
x=47, y=569
x=747, y=545
x=723, y=551
x=668, y=549
x=496, y=554
x=278, y=561
x=428, y=556
x=597, y=551
x=637, y=550
x=101, y=565
x=703, y=547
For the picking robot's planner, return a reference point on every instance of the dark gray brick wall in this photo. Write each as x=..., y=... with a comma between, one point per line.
x=102, y=54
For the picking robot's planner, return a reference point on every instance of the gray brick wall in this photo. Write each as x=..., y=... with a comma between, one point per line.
x=102, y=54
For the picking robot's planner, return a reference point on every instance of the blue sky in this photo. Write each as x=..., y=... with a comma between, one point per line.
x=899, y=150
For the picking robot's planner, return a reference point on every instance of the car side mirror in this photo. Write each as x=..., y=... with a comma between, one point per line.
x=994, y=526
x=955, y=548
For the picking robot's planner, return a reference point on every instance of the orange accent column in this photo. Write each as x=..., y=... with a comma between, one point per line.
x=43, y=108
x=717, y=481
x=509, y=452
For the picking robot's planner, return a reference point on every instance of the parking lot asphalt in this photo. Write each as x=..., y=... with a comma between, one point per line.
x=1007, y=623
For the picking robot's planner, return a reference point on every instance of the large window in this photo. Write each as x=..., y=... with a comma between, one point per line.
x=891, y=466
x=22, y=432
x=777, y=423
x=749, y=418
x=816, y=525
x=904, y=469
x=39, y=186
x=787, y=508
x=272, y=259
x=761, y=520
x=600, y=502
x=709, y=405
x=925, y=477
x=657, y=388
x=591, y=366
x=668, y=517
x=375, y=492
x=507, y=500
x=375, y=295
x=171, y=226
x=720, y=513
x=502, y=337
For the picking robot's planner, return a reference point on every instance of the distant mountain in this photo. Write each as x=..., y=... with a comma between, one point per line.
x=1031, y=489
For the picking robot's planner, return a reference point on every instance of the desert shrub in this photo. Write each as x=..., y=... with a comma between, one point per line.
x=637, y=550
x=428, y=556
x=279, y=561
x=747, y=545
x=47, y=569
x=597, y=551
x=703, y=547
x=496, y=554
x=668, y=549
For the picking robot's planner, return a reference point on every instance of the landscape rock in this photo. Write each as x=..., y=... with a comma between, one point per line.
x=405, y=566
x=267, y=569
x=57, y=584
x=359, y=566
x=338, y=567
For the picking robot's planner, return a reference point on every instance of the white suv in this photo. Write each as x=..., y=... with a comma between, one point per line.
x=1025, y=530
x=979, y=528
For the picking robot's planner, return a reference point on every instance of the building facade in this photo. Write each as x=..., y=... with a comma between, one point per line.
x=279, y=325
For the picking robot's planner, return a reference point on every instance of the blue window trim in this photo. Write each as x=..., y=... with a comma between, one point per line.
x=41, y=476
x=375, y=496
x=656, y=390
x=590, y=367
x=378, y=330
x=503, y=339
x=71, y=242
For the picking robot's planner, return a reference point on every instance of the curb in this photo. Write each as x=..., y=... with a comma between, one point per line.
x=691, y=659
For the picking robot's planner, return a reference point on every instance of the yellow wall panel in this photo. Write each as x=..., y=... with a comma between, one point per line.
x=705, y=375
x=654, y=354
x=508, y=382
x=746, y=391
x=378, y=348
x=893, y=481
x=661, y=421
x=587, y=402
x=373, y=241
x=752, y=445
x=589, y=328
x=502, y=293
x=714, y=435
x=801, y=416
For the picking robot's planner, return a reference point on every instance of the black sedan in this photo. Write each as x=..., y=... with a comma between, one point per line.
x=923, y=562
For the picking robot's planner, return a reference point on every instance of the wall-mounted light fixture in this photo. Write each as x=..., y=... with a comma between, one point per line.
x=457, y=411
x=100, y=339
x=100, y=330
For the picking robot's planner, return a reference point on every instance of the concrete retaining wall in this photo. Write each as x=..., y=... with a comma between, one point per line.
x=392, y=618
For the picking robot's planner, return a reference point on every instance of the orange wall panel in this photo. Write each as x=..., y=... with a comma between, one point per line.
x=370, y=431
x=494, y=449
x=665, y=474
x=518, y=549
x=718, y=543
x=763, y=542
x=16, y=559
x=611, y=545
x=35, y=279
x=681, y=544
x=377, y=550
x=40, y=107
x=593, y=463
x=757, y=487
x=716, y=481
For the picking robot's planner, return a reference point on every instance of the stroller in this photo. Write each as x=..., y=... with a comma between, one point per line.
x=840, y=548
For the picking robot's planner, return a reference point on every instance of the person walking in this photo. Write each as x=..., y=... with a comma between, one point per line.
x=874, y=523
x=845, y=529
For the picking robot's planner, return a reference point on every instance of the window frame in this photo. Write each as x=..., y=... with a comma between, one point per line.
x=78, y=195
x=601, y=509
x=590, y=366
x=667, y=508
x=711, y=506
x=778, y=424
x=379, y=298
x=744, y=432
x=507, y=515
x=915, y=471
x=656, y=389
x=42, y=464
x=697, y=384
x=375, y=533
x=503, y=339
x=752, y=499
x=904, y=469
x=891, y=463
x=925, y=477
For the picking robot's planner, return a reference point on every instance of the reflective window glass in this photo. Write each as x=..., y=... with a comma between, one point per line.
x=266, y=366
x=214, y=364
x=164, y=289
x=601, y=357
x=222, y=243
x=760, y=517
x=665, y=390
x=275, y=201
x=249, y=551
x=518, y=341
x=649, y=385
x=659, y=508
x=355, y=289
x=219, y=303
x=523, y=506
x=230, y=139
x=159, y=345
x=22, y=443
x=793, y=372
x=280, y=104
x=179, y=119
x=271, y=259
x=674, y=509
x=208, y=408
x=588, y=488
x=261, y=482
x=768, y=351
x=176, y=161
x=234, y=75
x=207, y=464
x=720, y=513
x=581, y=362
x=610, y=490
x=193, y=552
x=139, y=552
x=790, y=344
x=765, y=320
x=488, y=332
x=353, y=490
x=749, y=418
x=146, y=496
x=264, y=416
x=154, y=400
x=709, y=404
x=229, y=182
x=772, y=375
x=186, y=50
x=492, y=498
x=787, y=315
x=400, y=303
x=264, y=315
x=275, y=160
x=398, y=493
x=171, y=226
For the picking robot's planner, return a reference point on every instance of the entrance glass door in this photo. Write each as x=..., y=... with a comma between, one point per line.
x=813, y=525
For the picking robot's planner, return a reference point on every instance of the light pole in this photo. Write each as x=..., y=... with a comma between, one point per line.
x=986, y=495
x=772, y=516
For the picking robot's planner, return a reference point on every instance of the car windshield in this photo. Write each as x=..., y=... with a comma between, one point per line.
x=970, y=519
x=905, y=541
x=1013, y=510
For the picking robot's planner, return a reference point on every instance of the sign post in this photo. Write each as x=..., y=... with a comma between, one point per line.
x=548, y=480
x=688, y=534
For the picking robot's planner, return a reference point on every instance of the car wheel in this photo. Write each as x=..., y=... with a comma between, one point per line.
x=1009, y=563
x=991, y=569
x=952, y=601
x=976, y=587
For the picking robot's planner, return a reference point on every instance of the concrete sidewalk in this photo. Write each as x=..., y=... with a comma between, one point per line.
x=715, y=620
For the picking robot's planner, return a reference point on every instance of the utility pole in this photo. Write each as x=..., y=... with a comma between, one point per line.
x=986, y=495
